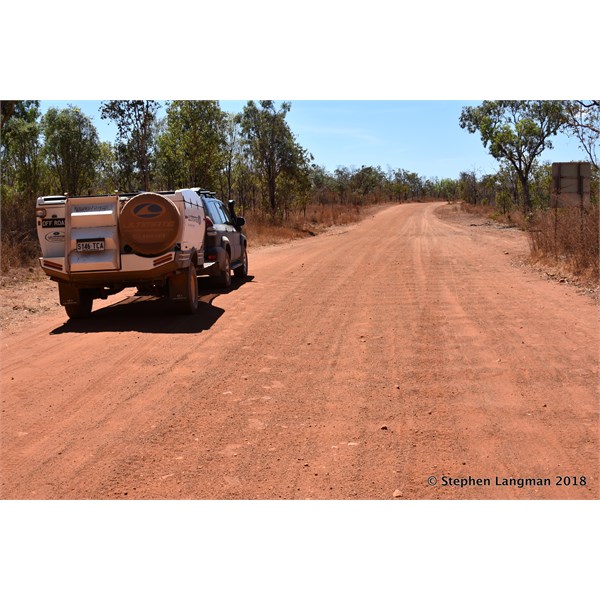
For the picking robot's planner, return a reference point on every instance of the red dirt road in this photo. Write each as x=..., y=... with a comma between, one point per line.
x=357, y=364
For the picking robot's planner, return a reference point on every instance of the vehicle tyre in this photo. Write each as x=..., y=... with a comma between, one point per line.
x=242, y=270
x=83, y=308
x=223, y=280
x=190, y=305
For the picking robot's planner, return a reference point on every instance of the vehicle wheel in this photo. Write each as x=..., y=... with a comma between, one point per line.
x=190, y=305
x=224, y=278
x=144, y=290
x=242, y=271
x=83, y=308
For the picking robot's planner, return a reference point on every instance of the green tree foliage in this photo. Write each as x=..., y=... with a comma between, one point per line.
x=342, y=177
x=468, y=187
x=23, y=176
x=294, y=185
x=323, y=185
x=107, y=173
x=135, y=120
x=27, y=110
x=246, y=184
x=169, y=171
x=441, y=188
x=370, y=184
x=232, y=153
x=367, y=180
x=128, y=177
x=582, y=120
x=71, y=148
x=406, y=184
x=501, y=189
x=191, y=146
x=516, y=132
x=21, y=149
x=277, y=157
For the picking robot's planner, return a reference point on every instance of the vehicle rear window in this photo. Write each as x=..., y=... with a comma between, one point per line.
x=220, y=213
x=213, y=212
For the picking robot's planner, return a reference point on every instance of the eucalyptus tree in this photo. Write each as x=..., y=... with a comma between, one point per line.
x=168, y=160
x=399, y=185
x=446, y=188
x=71, y=148
x=468, y=187
x=276, y=155
x=107, y=169
x=516, y=131
x=582, y=120
x=18, y=109
x=23, y=178
x=323, y=185
x=135, y=121
x=232, y=152
x=194, y=136
x=368, y=180
x=342, y=176
x=20, y=150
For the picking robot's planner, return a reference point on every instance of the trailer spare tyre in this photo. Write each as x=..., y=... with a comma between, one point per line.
x=149, y=224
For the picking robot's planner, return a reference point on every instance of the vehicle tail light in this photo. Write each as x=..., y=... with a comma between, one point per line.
x=40, y=212
x=209, y=226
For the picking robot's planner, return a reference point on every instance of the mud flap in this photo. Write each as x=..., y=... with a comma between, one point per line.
x=178, y=286
x=68, y=294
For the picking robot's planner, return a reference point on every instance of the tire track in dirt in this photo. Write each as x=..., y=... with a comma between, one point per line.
x=348, y=366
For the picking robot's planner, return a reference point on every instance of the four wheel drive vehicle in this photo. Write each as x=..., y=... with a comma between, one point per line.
x=95, y=246
x=225, y=244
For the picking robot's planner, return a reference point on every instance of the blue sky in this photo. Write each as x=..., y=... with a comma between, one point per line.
x=420, y=136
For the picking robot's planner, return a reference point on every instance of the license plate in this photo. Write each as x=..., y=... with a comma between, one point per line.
x=90, y=245
x=53, y=223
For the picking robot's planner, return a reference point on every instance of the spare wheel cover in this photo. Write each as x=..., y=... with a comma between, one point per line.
x=149, y=224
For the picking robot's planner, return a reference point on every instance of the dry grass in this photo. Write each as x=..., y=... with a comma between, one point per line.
x=262, y=231
x=16, y=254
x=19, y=247
x=514, y=218
x=567, y=239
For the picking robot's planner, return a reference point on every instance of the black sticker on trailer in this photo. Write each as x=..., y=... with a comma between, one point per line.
x=46, y=223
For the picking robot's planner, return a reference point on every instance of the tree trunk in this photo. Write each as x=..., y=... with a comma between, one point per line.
x=527, y=206
x=272, y=196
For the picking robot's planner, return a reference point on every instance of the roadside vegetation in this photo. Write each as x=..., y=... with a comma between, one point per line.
x=252, y=157
x=519, y=194
x=255, y=158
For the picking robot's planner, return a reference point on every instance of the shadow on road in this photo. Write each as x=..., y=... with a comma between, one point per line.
x=148, y=314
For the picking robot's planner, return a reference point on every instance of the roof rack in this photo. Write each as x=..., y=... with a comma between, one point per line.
x=204, y=192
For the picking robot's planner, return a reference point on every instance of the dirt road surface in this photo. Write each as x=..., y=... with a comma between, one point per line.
x=355, y=365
